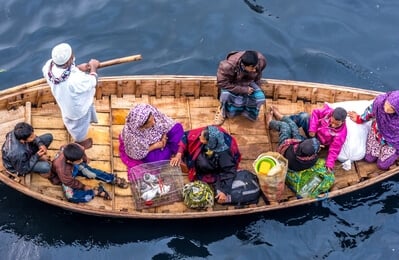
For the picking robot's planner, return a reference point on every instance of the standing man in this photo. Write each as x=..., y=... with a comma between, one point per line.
x=73, y=88
x=238, y=79
x=24, y=152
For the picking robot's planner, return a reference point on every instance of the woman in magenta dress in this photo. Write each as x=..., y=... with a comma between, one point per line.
x=383, y=139
x=148, y=136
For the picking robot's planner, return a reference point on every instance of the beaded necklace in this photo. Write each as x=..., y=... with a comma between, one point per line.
x=64, y=76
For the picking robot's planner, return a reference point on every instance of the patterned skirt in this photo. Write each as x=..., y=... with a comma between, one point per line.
x=384, y=154
x=245, y=105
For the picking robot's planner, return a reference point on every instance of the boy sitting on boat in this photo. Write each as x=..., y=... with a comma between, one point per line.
x=70, y=162
x=24, y=152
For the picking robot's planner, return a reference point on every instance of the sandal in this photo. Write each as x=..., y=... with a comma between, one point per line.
x=121, y=182
x=219, y=117
x=101, y=192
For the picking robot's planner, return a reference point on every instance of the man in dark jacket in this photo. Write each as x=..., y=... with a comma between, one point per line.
x=24, y=152
x=238, y=79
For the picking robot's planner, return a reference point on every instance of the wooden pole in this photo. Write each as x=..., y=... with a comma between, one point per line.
x=102, y=65
x=120, y=61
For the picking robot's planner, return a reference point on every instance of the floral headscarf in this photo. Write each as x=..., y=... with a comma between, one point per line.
x=388, y=124
x=138, y=139
x=216, y=140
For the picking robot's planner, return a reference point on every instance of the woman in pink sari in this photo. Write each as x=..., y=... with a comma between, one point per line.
x=383, y=139
x=148, y=136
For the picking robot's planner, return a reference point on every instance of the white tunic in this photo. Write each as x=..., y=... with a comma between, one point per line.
x=76, y=94
x=75, y=98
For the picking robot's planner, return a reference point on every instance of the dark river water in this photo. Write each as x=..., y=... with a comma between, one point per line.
x=351, y=42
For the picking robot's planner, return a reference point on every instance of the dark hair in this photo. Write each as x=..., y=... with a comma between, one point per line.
x=249, y=58
x=339, y=114
x=206, y=133
x=73, y=152
x=148, y=118
x=22, y=131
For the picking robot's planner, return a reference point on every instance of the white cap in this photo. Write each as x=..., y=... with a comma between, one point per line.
x=61, y=53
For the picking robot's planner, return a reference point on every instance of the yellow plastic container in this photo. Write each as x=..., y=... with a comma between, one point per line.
x=264, y=164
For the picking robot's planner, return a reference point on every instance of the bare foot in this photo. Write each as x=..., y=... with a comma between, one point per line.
x=276, y=113
x=268, y=117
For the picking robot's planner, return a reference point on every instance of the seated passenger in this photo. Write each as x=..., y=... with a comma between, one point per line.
x=382, y=141
x=328, y=126
x=148, y=136
x=212, y=156
x=24, y=152
x=300, y=152
x=70, y=162
x=239, y=80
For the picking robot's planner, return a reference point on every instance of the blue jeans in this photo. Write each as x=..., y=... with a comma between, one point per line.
x=287, y=129
x=84, y=170
x=92, y=173
x=302, y=120
x=42, y=166
x=76, y=196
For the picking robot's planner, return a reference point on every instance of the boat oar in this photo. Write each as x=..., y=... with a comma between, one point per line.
x=102, y=65
x=120, y=61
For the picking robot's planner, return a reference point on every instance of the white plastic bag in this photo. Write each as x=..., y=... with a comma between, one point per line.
x=354, y=147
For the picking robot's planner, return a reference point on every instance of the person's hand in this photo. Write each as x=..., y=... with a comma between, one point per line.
x=85, y=67
x=353, y=115
x=87, y=187
x=41, y=152
x=312, y=134
x=250, y=90
x=221, y=198
x=175, y=161
x=164, y=140
x=94, y=64
x=329, y=169
x=43, y=148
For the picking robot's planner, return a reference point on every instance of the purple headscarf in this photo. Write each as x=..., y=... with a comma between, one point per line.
x=138, y=139
x=388, y=124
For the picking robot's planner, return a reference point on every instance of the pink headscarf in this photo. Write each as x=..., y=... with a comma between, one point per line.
x=138, y=139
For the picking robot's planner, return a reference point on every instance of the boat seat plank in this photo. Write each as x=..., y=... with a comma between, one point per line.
x=203, y=102
x=116, y=130
x=239, y=125
x=50, y=109
x=115, y=147
x=119, y=116
x=100, y=134
x=286, y=107
x=49, y=122
x=252, y=145
x=103, y=165
x=124, y=204
x=128, y=101
x=99, y=152
x=103, y=119
x=119, y=166
x=368, y=169
x=60, y=137
x=173, y=107
x=15, y=114
x=102, y=105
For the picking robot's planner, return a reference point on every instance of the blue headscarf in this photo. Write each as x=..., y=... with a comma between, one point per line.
x=216, y=140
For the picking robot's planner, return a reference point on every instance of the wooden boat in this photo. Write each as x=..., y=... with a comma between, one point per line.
x=191, y=100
